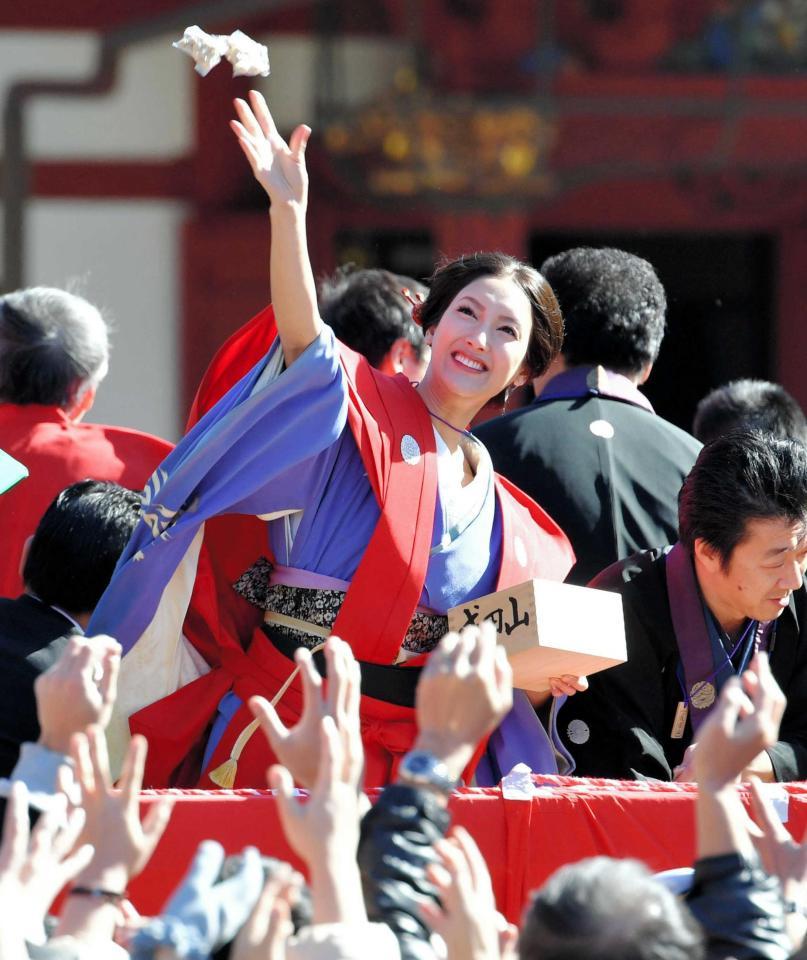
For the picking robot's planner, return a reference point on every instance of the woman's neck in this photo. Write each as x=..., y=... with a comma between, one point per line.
x=449, y=416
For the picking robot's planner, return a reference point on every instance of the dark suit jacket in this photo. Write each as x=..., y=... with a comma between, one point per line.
x=611, y=495
x=32, y=637
x=621, y=727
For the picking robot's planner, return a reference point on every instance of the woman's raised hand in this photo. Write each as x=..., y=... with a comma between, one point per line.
x=279, y=167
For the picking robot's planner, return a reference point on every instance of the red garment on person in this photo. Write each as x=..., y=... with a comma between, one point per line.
x=382, y=412
x=58, y=452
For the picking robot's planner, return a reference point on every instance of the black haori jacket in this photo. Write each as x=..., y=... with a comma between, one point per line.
x=621, y=727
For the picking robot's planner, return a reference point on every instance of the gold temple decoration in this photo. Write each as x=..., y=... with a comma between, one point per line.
x=411, y=142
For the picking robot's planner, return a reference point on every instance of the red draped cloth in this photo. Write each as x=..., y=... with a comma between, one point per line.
x=523, y=841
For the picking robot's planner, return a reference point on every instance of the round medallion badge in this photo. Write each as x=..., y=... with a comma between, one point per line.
x=601, y=428
x=578, y=731
x=410, y=450
x=702, y=694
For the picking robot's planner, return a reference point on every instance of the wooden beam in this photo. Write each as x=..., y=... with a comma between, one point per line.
x=111, y=179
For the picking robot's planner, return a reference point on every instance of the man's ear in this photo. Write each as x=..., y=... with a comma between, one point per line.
x=644, y=373
x=26, y=549
x=707, y=556
x=80, y=402
x=398, y=354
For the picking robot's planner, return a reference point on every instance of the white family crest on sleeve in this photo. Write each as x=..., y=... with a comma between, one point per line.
x=410, y=449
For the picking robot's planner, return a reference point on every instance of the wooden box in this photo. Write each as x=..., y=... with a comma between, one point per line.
x=550, y=629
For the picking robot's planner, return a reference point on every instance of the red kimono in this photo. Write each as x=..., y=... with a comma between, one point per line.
x=387, y=420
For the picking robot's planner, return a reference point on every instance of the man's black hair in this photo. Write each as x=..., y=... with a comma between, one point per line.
x=604, y=909
x=749, y=405
x=737, y=478
x=613, y=306
x=368, y=311
x=77, y=544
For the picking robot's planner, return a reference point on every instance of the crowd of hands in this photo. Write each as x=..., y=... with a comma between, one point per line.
x=90, y=835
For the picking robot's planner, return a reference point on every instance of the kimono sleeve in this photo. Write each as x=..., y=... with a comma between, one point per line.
x=246, y=455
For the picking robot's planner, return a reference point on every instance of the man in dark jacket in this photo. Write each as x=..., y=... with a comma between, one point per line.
x=590, y=449
x=695, y=614
x=68, y=565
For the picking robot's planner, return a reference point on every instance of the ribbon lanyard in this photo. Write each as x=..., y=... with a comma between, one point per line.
x=704, y=687
x=729, y=655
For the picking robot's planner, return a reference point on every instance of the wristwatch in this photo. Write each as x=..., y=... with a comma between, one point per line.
x=419, y=768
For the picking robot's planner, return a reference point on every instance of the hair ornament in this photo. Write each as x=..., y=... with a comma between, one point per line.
x=416, y=301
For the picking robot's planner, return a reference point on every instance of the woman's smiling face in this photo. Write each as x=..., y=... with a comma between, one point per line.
x=480, y=342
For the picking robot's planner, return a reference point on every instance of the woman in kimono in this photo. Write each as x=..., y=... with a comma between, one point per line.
x=383, y=512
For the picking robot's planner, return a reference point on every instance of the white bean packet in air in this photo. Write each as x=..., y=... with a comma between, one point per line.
x=248, y=57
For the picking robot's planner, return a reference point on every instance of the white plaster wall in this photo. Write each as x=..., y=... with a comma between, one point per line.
x=124, y=257
x=147, y=115
x=29, y=54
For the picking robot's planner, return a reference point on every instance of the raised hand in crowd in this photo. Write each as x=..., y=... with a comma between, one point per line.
x=34, y=866
x=464, y=692
x=758, y=706
x=465, y=689
x=264, y=935
x=781, y=857
x=298, y=747
x=279, y=167
x=79, y=689
x=324, y=831
x=123, y=845
x=206, y=911
x=465, y=915
x=739, y=907
x=745, y=722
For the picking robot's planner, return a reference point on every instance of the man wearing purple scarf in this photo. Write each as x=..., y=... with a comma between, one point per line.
x=590, y=449
x=697, y=613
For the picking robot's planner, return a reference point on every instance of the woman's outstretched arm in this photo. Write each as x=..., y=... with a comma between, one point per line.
x=279, y=167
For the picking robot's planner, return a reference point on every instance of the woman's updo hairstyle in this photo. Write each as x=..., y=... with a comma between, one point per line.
x=453, y=276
